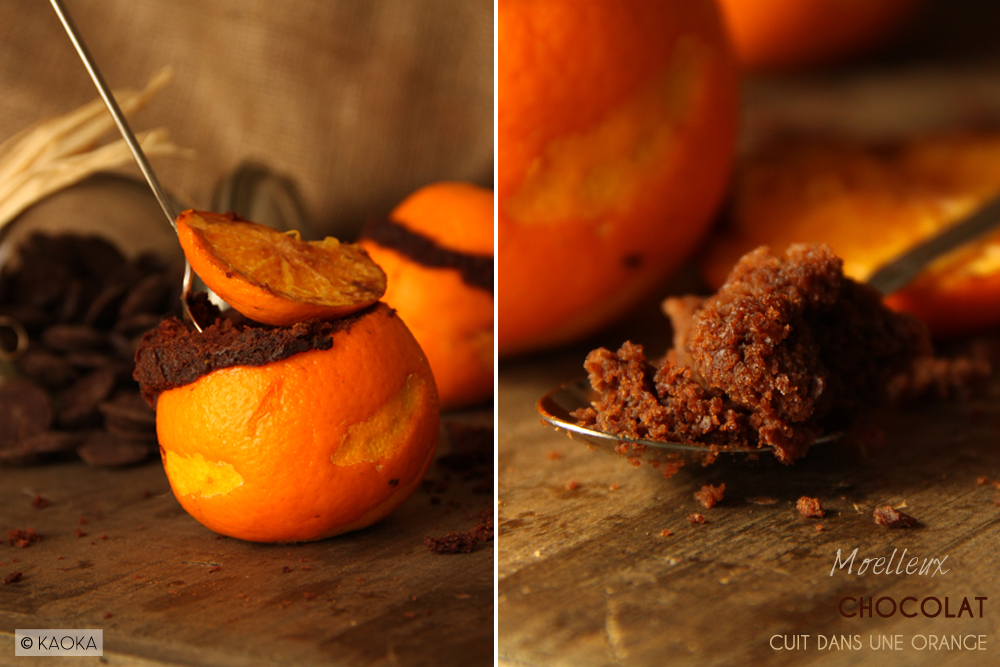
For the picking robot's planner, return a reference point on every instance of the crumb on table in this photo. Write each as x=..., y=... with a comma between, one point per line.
x=889, y=517
x=23, y=538
x=809, y=508
x=709, y=496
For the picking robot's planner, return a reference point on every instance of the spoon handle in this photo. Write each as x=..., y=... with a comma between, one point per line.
x=899, y=272
x=116, y=112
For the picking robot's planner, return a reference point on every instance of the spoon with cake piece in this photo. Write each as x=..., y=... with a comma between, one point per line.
x=788, y=354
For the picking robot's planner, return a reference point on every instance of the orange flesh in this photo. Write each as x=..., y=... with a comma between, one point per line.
x=870, y=206
x=274, y=277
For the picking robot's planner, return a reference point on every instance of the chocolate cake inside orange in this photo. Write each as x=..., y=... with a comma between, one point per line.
x=436, y=248
x=290, y=434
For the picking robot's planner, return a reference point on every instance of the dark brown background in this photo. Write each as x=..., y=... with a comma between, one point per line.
x=360, y=102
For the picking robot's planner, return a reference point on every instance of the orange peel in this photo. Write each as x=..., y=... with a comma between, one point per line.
x=274, y=277
x=314, y=445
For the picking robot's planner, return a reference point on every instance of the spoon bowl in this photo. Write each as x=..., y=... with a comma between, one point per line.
x=557, y=406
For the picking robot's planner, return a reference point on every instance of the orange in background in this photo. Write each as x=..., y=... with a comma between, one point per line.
x=446, y=237
x=871, y=204
x=315, y=445
x=616, y=127
x=274, y=277
x=794, y=34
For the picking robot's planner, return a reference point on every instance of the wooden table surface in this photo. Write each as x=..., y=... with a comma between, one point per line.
x=586, y=578
x=145, y=573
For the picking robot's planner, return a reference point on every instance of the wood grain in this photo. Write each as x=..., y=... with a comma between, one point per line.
x=586, y=578
x=179, y=594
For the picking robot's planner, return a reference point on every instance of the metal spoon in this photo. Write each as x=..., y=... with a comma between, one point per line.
x=557, y=405
x=896, y=274
x=166, y=203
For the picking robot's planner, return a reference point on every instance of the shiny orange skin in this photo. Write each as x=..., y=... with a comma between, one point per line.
x=312, y=446
x=274, y=277
x=794, y=34
x=616, y=127
x=972, y=306
x=452, y=320
x=870, y=206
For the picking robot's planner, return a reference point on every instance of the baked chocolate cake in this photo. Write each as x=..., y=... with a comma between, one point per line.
x=787, y=350
x=174, y=354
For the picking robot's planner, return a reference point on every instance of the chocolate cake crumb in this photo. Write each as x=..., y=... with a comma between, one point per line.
x=12, y=577
x=983, y=480
x=809, y=508
x=483, y=531
x=174, y=354
x=23, y=538
x=670, y=468
x=893, y=518
x=709, y=496
x=476, y=270
x=697, y=518
x=788, y=349
x=454, y=543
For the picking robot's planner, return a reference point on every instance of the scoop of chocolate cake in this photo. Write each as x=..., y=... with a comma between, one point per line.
x=788, y=349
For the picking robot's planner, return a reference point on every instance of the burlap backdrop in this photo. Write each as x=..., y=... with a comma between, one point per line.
x=359, y=101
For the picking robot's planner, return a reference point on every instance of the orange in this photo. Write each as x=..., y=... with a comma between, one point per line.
x=616, y=126
x=276, y=278
x=789, y=34
x=871, y=204
x=315, y=445
x=437, y=252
